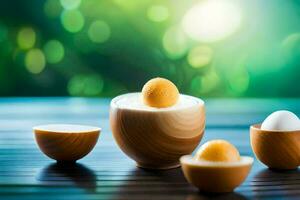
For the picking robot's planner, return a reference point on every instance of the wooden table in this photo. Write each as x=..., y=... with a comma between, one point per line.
x=106, y=173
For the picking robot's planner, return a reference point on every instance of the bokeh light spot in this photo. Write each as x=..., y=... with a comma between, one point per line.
x=70, y=4
x=212, y=20
x=85, y=85
x=239, y=80
x=26, y=38
x=35, y=61
x=200, y=56
x=175, y=42
x=158, y=13
x=52, y=8
x=291, y=46
x=203, y=84
x=72, y=20
x=99, y=31
x=54, y=51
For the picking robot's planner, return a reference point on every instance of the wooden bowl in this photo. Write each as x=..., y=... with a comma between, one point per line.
x=276, y=149
x=157, y=137
x=215, y=178
x=65, y=142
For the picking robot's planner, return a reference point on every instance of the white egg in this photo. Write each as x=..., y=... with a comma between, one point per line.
x=281, y=120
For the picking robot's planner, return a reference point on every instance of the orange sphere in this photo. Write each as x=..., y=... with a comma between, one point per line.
x=218, y=151
x=160, y=93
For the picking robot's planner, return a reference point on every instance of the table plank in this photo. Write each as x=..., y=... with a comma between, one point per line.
x=106, y=173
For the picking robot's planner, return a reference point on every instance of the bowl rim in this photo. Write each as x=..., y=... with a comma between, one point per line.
x=188, y=160
x=113, y=104
x=257, y=127
x=89, y=129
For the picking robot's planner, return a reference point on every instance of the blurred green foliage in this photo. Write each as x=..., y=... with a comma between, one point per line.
x=208, y=48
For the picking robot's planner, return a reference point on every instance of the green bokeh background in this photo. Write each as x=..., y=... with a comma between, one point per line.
x=102, y=48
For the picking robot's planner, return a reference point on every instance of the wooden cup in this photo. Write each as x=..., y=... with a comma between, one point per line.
x=157, y=139
x=66, y=146
x=214, y=178
x=276, y=149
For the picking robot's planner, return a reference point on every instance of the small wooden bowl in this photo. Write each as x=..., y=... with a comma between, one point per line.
x=276, y=149
x=65, y=142
x=157, y=139
x=212, y=178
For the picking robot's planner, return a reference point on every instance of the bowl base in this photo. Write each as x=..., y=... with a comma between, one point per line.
x=155, y=167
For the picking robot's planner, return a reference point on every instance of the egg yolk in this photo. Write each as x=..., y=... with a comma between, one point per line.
x=218, y=151
x=160, y=93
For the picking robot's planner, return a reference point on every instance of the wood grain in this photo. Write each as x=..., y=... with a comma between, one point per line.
x=276, y=149
x=215, y=179
x=64, y=146
x=156, y=140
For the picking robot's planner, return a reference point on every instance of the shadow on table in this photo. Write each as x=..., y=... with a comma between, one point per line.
x=164, y=184
x=225, y=196
x=276, y=183
x=69, y=174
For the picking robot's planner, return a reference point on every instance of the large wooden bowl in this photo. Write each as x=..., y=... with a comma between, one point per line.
x=157, y=139
x=276, y=149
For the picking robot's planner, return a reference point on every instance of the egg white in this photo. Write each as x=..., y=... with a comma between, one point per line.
x=66, y=128
x=188, y=159
x=134, y=101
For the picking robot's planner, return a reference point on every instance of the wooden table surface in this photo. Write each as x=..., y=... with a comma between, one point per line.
x=106, y=173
